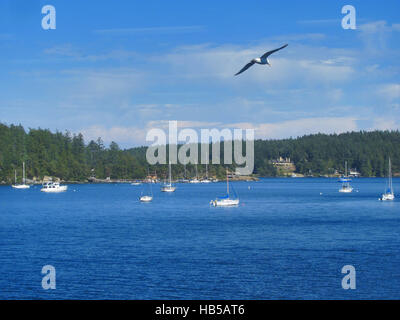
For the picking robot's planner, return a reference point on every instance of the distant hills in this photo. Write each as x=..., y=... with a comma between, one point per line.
x=67, y=156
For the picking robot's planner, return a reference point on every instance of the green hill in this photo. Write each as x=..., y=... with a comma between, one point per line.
x=66, y=156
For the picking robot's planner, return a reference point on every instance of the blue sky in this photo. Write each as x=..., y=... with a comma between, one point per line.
x=115, y=69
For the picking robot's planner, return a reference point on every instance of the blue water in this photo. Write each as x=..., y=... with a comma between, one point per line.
x=284, y=241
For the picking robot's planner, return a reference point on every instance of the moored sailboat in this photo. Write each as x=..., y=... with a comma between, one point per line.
x=345, y=180
x=169, y=187
x=227, y=200
x=23, y=185
x=195, y=180
x=206, y=180
x=148, y=196
x=389, y=193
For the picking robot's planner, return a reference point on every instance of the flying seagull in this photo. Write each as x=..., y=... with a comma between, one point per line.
x=262, y=60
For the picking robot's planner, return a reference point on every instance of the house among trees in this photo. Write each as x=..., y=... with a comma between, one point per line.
x=284, y=166
x=354, y=173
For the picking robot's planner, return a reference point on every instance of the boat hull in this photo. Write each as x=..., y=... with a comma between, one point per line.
x=168, y=189
x=346, y=190
x=54, y=190
x=146, y=199
x=21, y=186
x=225, y=203
x=387, y=197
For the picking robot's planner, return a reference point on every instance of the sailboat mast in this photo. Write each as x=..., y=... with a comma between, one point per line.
x=15, y=176
x=345, y=165
x=390, y=176
x=23, y=172
x=227, y=182
x=169, y=169
x=206, y=170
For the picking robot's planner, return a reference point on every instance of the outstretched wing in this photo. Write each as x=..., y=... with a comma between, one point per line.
x=267, y=54
x=245, y=67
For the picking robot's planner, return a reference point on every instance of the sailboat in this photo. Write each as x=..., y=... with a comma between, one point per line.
x=206, y=180
x=345, y=180
x=389, y=194
x=147, y=197
x=226, y=201
x=195, y=180
x=23, y=185
x=184, y=179
x=168, y=187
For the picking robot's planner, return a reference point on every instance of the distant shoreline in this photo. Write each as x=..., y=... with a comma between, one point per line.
x=254, y=179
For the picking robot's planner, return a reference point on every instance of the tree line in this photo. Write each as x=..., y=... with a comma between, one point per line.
x=68, y=157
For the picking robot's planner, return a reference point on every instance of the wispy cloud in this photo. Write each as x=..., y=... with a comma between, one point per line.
x=68, y=51
x=385, y=124
x=150, y=30
x=129, y=136
x=297, y=64
x=390, y=91
x=126, y=136
x=376, y=35
x=379, y=26
x=320, y=21
x=299, y=127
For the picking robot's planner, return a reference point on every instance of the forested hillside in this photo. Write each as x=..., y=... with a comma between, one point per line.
x=67, y=156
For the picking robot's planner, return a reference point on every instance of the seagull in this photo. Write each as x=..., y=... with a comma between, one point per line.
x=262, y=60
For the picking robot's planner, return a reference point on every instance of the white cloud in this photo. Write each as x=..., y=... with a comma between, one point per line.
x=149, y=30
x=131, y=136
x=320, y=21
x=376, y=35
x=96, y=84
x=126, y=136
x=390, y=91
x=295, y=64
x=299, y=127
x=379, y=26
x=385, y=124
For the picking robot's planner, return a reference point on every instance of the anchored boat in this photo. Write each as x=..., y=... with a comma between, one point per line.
x=345, y=180
x=169, y=187
x=227, y=200
x=23, y=185
x=389, y=194
x=53, y=187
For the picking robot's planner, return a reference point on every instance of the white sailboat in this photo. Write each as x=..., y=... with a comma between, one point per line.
x=195, y=180
x=206, y=180
x=226, y=201
x=346, y=187
x=23, y=185
x=147, y=197
x=184, y=179
x=389, y=193
x=168, y=187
